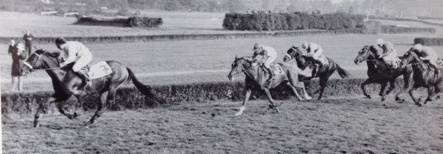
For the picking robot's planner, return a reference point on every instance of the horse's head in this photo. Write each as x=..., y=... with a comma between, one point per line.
x=237, y=67
x=366, y=53
x=292, y=53
x=411, y=56
x=40, y=59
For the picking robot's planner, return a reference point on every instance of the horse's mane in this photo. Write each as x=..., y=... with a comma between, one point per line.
x=373, y=49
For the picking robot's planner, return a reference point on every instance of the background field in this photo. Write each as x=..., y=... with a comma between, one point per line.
x=346, y=125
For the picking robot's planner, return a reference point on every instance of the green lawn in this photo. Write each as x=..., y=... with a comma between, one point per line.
x=189, y=61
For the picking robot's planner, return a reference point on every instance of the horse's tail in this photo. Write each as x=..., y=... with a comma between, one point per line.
x=144, y=89
x=342, y=72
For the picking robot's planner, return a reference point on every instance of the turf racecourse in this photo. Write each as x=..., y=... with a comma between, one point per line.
x=334, y=125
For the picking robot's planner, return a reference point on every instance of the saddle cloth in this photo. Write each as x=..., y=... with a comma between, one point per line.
x=276, y=68
x=99, y=70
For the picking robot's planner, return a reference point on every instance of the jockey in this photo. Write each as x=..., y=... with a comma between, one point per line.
x=76, y=52
x=268, y=53
x=315, y=51
x=389, y=54
x=426, y=54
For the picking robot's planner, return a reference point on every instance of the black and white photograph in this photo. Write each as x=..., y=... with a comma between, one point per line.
x=221, y=76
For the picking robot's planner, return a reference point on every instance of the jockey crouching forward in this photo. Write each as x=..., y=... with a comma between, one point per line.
x=76, y=52
x=315, y=52
x=389, y=54
x=427, y=54
x=267, y=53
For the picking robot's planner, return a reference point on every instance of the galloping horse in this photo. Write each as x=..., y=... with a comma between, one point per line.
x=424, y=76
x=257, y=79
x=379, y=72
x=323, y=73
x=106, y=85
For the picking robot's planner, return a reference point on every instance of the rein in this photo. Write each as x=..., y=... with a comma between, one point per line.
x=38, y=58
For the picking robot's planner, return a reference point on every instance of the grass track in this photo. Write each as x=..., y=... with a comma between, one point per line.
x=334, y=125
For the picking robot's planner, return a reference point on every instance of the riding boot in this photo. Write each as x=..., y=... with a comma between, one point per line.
x=271, y=73
x=84, y=76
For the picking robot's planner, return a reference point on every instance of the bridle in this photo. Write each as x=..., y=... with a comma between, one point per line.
x=38, y=58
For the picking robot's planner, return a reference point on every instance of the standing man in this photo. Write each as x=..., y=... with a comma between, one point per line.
x=16, y=51
x=28, y=41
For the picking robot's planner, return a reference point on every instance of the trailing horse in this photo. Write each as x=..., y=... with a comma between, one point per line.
x=424, y=76
x=257, y=79
x=379, y=72
x=324, y=72
x=65, y=82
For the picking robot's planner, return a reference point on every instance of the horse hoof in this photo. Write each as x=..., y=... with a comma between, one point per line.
x=383, y=99
x=238, y=113
x=36, y=125
x=368, y=96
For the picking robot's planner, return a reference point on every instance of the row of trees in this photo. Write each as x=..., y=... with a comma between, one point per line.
x=291, y=21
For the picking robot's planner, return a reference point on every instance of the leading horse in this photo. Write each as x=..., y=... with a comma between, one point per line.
x=106, y=86
x=323, y=73
x=424, y=76
x=257, y=79
x=379, y=72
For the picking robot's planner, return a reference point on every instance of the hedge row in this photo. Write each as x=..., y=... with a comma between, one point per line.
x=143, y=38
x=395, y=30
x=429, y=41
x=121, y=22
x=290, y=21
x=130, y=98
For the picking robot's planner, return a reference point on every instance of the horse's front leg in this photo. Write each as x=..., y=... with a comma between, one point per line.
x=383, y=87
x=411, y=92
x=431, y=94
x=273, y=104
x=42, y=108
x=294, y=91
x=362, y=86
x=248, y=92
x=408, y=80
x=61, y=105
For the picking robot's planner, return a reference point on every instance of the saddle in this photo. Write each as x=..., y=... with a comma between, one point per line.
x=318, y=66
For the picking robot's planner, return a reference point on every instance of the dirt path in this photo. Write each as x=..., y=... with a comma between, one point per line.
x=346, y=125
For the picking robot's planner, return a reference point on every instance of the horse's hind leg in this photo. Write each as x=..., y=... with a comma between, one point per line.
x=247, y=95
x=383, y=87
x=323, y=83
x=391, y=87
x=273, y=104
x=42, y=108
x=367, y=81
x=104, y=98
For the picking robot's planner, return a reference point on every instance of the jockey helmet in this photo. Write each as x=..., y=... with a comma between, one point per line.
x=305, y=45
x=418, y=47
x=380, y=41
x=59, y=41
x=12, y=42
x=257, y=47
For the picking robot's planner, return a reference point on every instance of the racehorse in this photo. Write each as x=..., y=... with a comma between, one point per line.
x=323, y=72
x=257, y=79
x=379, y=72
x=106, y=85
x=424, y=76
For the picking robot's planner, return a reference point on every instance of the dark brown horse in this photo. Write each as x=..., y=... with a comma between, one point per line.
x=424, y=76
x=323, y=72
x=379, y=72
x=106, y=86
x=257, y=79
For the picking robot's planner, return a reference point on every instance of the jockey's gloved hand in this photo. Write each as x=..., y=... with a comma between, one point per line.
x=62, y=64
